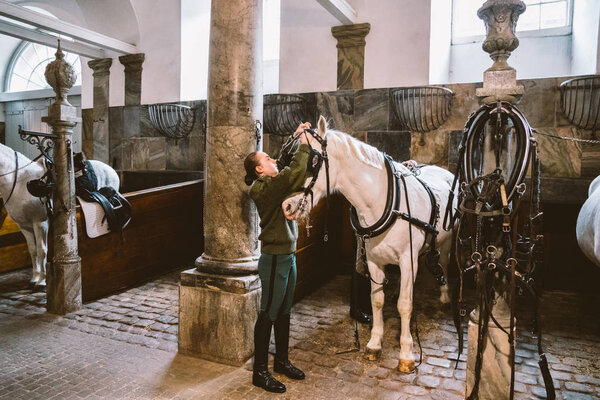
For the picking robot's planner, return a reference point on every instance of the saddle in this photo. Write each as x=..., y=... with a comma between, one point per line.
x=117, y=210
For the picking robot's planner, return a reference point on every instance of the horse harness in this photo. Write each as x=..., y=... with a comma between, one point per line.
x=486, y=203
x=390, y=215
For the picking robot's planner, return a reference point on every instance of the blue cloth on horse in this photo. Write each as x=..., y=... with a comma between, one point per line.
x=278, y=278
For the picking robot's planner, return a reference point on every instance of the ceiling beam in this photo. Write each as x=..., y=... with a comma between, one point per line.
x=83, y=49
x=47, y=23
x=341, y=10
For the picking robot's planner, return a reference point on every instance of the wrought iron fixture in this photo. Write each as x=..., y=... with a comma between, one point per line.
x=174, y=121
x=422, y=108
x=580, y=101
x=283, y=113
x=41, y=140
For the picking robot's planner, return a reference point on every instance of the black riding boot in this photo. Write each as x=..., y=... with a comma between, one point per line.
x=282, y=340
x=261, y=376
x=360, y=298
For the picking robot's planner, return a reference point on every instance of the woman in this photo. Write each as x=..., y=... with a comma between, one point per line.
x=277, y=262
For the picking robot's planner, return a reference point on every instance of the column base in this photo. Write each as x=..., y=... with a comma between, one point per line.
x=217, y=314
x=495, y=371
x=241, y=266
x=63, y=286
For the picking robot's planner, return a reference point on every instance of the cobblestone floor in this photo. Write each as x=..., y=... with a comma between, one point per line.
x=124, y=347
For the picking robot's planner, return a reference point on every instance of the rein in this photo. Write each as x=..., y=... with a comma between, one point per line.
x=16, y=172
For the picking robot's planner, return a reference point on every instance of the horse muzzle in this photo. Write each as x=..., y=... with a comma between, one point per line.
x=295, y=207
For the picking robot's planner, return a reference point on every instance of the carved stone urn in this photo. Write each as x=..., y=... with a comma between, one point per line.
x=500, y=18
x=60, y=75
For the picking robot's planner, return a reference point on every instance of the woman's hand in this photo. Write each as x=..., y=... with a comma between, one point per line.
x=303, y=138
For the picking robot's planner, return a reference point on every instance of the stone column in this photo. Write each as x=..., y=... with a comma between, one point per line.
x=133, y=78
x=351, y=55
x=219, y=300
x=101, y=67
x=63, y=287
x=499, y=83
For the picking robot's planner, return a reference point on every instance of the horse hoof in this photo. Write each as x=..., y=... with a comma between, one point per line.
x=372, y=355
x=406, y=366
x=39, y=288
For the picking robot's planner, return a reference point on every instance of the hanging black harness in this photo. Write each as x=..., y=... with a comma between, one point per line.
x=392, y=212
x=486, y=224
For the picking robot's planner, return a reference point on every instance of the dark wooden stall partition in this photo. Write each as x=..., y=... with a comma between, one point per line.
x=165, y=233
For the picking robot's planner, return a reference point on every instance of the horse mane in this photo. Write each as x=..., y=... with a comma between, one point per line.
x=347, y=145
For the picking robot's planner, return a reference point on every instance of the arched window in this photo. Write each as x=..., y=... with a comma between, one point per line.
x=28, y=64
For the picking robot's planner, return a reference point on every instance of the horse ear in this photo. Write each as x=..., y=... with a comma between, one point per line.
x=322, y=126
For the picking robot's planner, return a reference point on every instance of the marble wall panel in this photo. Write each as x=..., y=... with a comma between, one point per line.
x=87, y=124
x=590, y=154
x=126, y=158
x=115, y=123
x=435, y=149
x=539, y=102
x=199, y=128
x=337, y=108
x=371, y=110
x=394, y=143
x=464, y=102
x=453, y=143
x=186, y=154
x=132, y=121
x=559, y=157
x=3, y=132
x=146, y=127
x=148, y=153
x=178, y=153
x=116, y=154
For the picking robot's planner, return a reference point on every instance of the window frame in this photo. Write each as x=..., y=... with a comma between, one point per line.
x=542, y=32
x=14, y=58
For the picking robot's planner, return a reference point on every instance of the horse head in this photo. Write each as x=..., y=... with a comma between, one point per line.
x=298, y=205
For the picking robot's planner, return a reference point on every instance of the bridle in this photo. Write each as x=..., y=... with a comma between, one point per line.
x=316, y=160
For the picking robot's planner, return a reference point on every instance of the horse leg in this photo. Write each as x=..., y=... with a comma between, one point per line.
x=405, y=306
x=444, y=260
x=41, y=240
x=31, y=246
x=373, y=350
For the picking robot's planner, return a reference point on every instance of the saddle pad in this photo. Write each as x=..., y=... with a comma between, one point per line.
x=93, y=214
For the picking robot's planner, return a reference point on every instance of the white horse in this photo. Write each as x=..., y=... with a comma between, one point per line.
x=357, y=171
x=588, y=224
x=29, y=212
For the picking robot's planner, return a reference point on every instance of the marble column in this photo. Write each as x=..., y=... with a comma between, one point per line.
x=225, y=287
x=351, y=55
x=63, y=286
x=101, y=68
x=133, y=78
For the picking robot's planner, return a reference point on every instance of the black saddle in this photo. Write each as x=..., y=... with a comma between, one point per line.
x=117, y=210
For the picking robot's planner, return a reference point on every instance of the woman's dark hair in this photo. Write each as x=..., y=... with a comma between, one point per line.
x=250, y=164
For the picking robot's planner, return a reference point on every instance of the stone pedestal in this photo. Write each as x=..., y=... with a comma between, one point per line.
x=495, y=372
x=101, y=67
x=351, y=55
x=217, y=315
x=133, y=78
x=500, y=85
